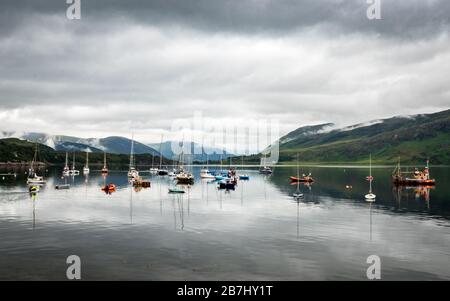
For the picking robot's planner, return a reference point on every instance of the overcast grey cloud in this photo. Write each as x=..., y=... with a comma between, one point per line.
x=141, y=64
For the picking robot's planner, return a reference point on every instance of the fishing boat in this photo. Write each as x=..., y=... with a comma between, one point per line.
x=105, y=168
x=33, y=177
x=66, y=170
x=416, y=178
x=73, y=171
x=132, y=172
x=297, y=194
x=86, y=169
x=370, y=197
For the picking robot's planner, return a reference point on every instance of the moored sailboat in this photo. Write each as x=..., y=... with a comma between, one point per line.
x=66, y=170
x=86, y=169
x=184, y=177
x=161, y=171
x=73, y=171
x=205, y=173
x=264, y=169
x=370, y=197
x=132, y=172
x=105, y=168
x=33, y=177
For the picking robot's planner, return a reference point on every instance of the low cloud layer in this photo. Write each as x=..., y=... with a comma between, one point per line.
x=138, y=65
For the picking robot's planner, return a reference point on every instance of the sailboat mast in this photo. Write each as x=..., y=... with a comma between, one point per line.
x=160, y=152
x=104, y=160
x=132, y=152
x=31, y=172
x=370, y=174
x=298, y=176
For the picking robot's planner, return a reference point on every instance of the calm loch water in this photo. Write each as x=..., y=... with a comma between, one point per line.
x=257, y=232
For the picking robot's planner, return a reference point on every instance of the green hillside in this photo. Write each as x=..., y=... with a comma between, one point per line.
x=413, y=139
x=13, y=150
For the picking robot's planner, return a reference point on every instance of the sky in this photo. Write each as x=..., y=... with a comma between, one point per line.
x=138, y=66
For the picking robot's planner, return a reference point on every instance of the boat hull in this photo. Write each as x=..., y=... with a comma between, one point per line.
x=413, y=182
x=302, y=179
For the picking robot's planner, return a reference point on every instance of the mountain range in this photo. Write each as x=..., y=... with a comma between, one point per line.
x=210, y=153
x=414, y=139
x=112, y=145
x=14, y=150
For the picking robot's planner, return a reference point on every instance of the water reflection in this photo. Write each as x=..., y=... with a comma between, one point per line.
x=257, y=231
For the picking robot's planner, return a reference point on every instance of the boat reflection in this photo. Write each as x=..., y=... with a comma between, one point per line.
x=417, y=192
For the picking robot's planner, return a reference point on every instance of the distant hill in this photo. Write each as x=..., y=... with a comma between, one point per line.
x=14, y=150
x=114, y=145
x=213, y=153
x=413, y=138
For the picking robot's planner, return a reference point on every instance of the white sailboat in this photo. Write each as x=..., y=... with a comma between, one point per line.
x=205, y=173
x=264, y=169
x=105, y=168
x=370, y=197
x=33, y=178
x=132, y=172
x=73, y=171
x=153, y=170
x=297, y=194
x=161, y=171
x=184, y=177
x=86, y=169
x=66, y=170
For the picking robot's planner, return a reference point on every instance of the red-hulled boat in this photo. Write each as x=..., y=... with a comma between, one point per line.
x=416, y=178
x=305, y=179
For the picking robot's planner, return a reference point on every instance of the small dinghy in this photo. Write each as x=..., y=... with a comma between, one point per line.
x=303, y=179
x=62, y=186
x=109, y=188
x=33, y=189
x=176, y=190
x=227, y=184
x=298, y=195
